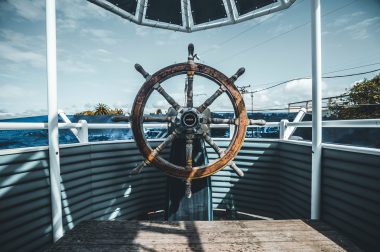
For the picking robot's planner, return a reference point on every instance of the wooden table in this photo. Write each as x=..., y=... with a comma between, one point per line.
x=262, y=235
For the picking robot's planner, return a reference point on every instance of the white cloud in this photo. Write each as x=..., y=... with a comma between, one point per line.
x=102, y=51
x=6, y=115
x=358, y=13
x=142, y=31
x=345, y=19
x=29, y=9
x=160, y=42
x=10, y=92
x=74, y=66
x=71, y=12
x=102, y=35
x=280, y=97
x=341, y=21
x=79, y=9
x=19, y=48
x=32, y=112
x=302, y=87
x=167, y=39
x=360, y=30
x=21, y=40
x=10, y=53
x=64, y=24
x=280, y=28
x=124, y=60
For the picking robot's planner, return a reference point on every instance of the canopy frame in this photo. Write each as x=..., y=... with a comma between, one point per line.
x=188, y=24
x=54, y=154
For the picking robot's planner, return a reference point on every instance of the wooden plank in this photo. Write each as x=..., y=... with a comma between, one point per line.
x=281, y=235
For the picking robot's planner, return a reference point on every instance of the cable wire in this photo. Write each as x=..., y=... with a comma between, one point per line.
x=249, y=28
x=330, y=72
x=283, y=33
x=305, y=78
x=348, y=75
x=351, y=68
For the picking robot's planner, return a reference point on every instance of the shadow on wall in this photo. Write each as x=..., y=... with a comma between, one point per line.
x=98, y=185
x=276, y=183
x=95, y=185
x=25, y=211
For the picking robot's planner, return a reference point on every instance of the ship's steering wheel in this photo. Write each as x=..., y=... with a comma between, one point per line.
x=189, y=121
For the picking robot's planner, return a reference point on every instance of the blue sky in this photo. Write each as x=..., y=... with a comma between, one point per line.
x=97, y=51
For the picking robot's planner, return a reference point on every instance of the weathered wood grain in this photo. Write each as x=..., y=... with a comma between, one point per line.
x=282, y=235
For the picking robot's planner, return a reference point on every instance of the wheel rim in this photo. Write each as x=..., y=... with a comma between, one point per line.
x=235, y=98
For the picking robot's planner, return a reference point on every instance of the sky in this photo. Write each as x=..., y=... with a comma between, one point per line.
x=97, y=50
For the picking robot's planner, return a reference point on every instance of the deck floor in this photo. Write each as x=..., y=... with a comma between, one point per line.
x=263, y=235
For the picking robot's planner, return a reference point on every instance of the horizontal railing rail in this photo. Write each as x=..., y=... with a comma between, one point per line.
x=42, y=126
x=361, y=123
x=358, y=123
x=286, y=128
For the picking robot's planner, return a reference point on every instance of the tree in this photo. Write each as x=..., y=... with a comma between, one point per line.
x=116, y=111
x=362, y=102
x=86, y=113
x=102, y=109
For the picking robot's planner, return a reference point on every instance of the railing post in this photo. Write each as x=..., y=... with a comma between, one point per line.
x=54, y=163
x=283, y=125
x=64, y=117
x=290, y=130
x=232, y=131
x=317, y=109
x=83, y=131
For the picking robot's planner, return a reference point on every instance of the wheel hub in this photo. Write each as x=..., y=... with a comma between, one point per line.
x=189, y=119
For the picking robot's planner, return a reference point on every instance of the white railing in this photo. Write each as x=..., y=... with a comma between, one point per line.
x=286, y=128
x=357, y=123
x=80, y=129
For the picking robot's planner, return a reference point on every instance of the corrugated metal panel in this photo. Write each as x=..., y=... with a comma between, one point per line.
x=351, y=195
x=24, y=201
x=255, y=193
x=294, y=188
x=276, y=182
x=95, y=185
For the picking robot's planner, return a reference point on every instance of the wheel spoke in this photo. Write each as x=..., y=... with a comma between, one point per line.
x=234, y=121
x=221, y=153
x=188, y=192
x=211, y=142
x=154, y=153
x=214, y=120
x=158, y=118
x=211, y=99
x=257, y=122
x=189, y=151
x=189, y=90
x=145, y=118
x=120, y=119
x=170, y=100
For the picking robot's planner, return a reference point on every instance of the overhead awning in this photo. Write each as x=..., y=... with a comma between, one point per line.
x=191, y=15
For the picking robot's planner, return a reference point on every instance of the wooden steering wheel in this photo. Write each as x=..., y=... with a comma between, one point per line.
x=188, y=121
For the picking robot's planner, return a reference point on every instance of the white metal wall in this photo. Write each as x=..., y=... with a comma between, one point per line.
x=277, y=184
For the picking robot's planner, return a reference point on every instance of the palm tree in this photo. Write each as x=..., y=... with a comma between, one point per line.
x=116, y=112
x=101, y=109
x=86, y=113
